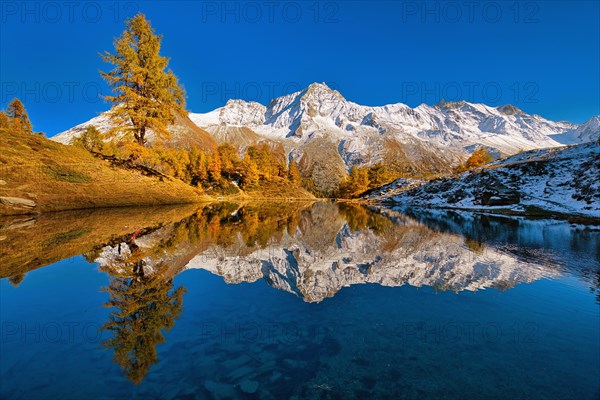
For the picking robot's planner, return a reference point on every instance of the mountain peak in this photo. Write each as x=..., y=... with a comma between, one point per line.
x=590, y=130
x=450, y=105
x=321, y=90
x=509, y=109
x=319, y=86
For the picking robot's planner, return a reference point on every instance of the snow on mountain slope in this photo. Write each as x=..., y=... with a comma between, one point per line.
x=101, y=122
x=560, y=180
x=584, y=133
x=319, y=110
x=184, y=132
x=422, y=140
x=589, y=131
x=327, y=134
x=235, y=113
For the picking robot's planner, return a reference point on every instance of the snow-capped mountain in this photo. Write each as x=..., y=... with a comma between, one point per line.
x=327, y=134
x=319, y=110
x=590, y=131
x=421, y=140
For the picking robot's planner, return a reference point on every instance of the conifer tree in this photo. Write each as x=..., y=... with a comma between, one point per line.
x=90, y=139
x=480, y=157
x=355, y=183
x=249, y=172
x=4, y=122
x=214, y=167
x=201, y=171
x=229, y=159
x=197, y=166
x=18, y=118
x=294, y=172
x=146, y=94
x=378, y=175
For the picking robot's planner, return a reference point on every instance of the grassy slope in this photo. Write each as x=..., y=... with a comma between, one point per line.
x=58, y=177
x=281, y=189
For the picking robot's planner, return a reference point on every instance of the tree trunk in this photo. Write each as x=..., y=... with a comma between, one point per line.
x=141, y=136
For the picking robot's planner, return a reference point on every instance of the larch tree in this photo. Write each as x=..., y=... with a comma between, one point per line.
x=90, y=139
x=215, y=167
x=197, y=166
x=355, y=183
x=4, y=121
x=146, y=95
x=480, y=157
x=250, y=175
x=378, y=175
x=294, y=172
x=18, y=118
x=229, y=159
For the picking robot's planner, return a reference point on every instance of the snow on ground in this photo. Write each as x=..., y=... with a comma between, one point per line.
x=560, y=180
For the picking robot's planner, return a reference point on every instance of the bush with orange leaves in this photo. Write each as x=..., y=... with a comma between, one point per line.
x=480, y=157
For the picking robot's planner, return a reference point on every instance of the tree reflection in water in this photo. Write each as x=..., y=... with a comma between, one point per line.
x=143, y=299
x=143, y=306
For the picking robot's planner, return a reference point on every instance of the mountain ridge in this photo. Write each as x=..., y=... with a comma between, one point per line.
x=328, y=134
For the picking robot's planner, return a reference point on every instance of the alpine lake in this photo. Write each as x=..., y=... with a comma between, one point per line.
x=297, y=300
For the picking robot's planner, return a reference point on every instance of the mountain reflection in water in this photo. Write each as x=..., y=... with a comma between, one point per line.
x=311, y=250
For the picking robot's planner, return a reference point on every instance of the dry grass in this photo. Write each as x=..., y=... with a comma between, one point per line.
x=58, y=177
x=278, y=189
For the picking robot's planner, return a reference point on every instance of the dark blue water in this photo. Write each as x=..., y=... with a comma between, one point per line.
x=485, y=320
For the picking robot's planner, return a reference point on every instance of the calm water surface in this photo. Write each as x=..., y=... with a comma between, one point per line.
x=298, y=301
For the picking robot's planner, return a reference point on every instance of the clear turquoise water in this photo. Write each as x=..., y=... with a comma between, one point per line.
x=532, y=340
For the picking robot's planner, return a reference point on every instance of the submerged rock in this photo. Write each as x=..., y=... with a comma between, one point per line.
x=248, y=386
x=240, y=373
x=220, y=390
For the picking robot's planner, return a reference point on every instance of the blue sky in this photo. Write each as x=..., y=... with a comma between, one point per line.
x=543, y=57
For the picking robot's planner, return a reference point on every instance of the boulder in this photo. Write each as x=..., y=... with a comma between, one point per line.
x=17, y=202
x=248, y=386
x=220, y=390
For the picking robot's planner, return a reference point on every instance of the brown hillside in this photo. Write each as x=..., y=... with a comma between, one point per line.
x=39, y=175
x=184, y=133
